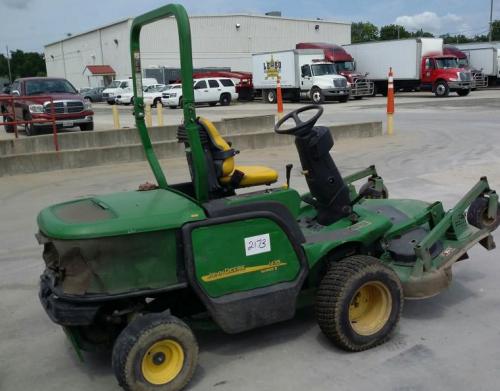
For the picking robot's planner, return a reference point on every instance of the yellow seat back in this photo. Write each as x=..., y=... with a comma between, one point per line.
x=220, y=143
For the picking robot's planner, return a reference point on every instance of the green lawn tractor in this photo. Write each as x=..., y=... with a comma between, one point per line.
x=133, y=271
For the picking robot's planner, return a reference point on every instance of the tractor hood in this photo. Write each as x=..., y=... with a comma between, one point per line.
x=118, y=214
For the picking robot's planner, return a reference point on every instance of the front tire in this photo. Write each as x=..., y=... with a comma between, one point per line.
x=87, y=127
x=441, y=89
x=359, y=303
x=463, y=92
x=30, y=130
x=270, y=96
x=155, y=352
x=317, y=96
x=344, y=99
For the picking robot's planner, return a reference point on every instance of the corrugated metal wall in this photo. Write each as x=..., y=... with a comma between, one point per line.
x=217, y=42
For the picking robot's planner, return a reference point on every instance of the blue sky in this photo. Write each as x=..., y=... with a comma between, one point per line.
x=29, y=24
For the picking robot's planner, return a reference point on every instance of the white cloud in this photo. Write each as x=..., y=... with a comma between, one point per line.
x=432, y=22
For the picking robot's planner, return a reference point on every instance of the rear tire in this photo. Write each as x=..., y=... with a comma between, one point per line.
x=9, y=128
x=359, y=303
x=155, y=352
x=317, y=96
x=225, y=100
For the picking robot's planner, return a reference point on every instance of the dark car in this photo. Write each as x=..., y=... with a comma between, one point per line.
x=92, y=94
x=70, y=108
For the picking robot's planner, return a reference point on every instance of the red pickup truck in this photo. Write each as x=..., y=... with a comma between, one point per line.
x=71, y=110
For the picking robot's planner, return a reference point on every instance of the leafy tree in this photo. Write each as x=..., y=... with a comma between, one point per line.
x=23, y=64
x=495, y=36
x=422, y=33
x=393, y=31
x=363, y=32
x=460, y=38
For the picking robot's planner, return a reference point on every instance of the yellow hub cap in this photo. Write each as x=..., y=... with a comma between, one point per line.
x=370, y=308
x=162, y=362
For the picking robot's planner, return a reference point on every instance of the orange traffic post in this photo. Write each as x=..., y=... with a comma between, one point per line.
x=279, y=97
x=390, y=103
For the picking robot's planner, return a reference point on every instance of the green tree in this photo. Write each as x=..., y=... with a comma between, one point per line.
x=451, y=39
x=421, y=33
x=363, y=32
x=393, y=31
x=23, y=64
x=495, y=36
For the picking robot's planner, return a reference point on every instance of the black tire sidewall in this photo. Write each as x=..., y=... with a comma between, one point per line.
x=138, y=337
x=225, y=100
x=345, y=325
x=446, y=91
x=270, y=96
x=321, y=99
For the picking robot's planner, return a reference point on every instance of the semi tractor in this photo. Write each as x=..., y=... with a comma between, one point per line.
x=303, y=73
x=418, y=64
x=345, y=66
x=485, y=56
x=479, y=79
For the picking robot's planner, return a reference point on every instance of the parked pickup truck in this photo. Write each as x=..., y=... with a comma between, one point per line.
x=71, y=109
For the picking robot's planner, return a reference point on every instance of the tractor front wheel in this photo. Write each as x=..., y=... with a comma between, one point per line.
x=155, y=352
x=359, y=303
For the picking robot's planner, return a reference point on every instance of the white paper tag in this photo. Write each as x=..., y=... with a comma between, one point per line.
x=257, y=244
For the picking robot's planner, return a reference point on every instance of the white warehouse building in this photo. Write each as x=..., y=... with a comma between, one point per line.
x=95, y=57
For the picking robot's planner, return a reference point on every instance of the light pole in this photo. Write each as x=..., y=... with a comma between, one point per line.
x=8, y=65
x=491, y=22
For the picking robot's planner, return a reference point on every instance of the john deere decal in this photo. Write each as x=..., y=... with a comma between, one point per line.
x=237, y=270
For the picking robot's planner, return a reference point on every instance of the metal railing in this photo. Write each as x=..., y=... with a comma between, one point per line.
x=9, y=103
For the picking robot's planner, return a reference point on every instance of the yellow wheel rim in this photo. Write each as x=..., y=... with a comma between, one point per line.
x=370, y=308
x=162, y=362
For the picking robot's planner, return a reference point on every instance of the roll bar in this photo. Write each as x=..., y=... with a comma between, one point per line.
x=184, y=32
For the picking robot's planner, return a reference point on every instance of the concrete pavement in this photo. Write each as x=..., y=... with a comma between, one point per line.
x=449, y=342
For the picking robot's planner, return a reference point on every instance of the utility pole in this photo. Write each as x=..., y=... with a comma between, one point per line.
x=8, y=64
x=491, y=22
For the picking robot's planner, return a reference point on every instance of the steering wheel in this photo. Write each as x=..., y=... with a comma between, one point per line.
x=300, y=125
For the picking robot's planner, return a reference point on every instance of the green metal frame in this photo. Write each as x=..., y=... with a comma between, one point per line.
x=186, y=60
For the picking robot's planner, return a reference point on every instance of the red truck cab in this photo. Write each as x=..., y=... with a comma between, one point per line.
x=479, y=80
x=442, y=74
x=70, y=109
x=345, y=66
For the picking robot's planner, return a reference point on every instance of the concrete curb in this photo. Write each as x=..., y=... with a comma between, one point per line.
x=87, y=157
x=125, y=136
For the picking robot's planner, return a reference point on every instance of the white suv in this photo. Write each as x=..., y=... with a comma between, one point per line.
x=208, y=90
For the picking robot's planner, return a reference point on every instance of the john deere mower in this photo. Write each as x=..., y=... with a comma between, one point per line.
x=132, y=271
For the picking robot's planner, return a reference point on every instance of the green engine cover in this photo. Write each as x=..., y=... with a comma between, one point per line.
x=242, y=255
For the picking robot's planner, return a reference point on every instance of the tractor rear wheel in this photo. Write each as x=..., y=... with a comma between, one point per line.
x=155, y=352
x=359, y=303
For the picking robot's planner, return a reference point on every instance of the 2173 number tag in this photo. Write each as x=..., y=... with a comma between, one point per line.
x=257, y=245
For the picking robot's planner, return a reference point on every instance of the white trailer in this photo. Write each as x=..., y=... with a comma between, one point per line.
x=302, y=72
x=416, y=63
x=484, y=56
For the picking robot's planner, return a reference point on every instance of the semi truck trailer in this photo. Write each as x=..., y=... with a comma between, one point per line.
x=303, y=73
x=345, y=65
x=417, y=64
x=485, y=56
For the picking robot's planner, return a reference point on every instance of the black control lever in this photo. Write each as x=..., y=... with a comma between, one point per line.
x=288, y=174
